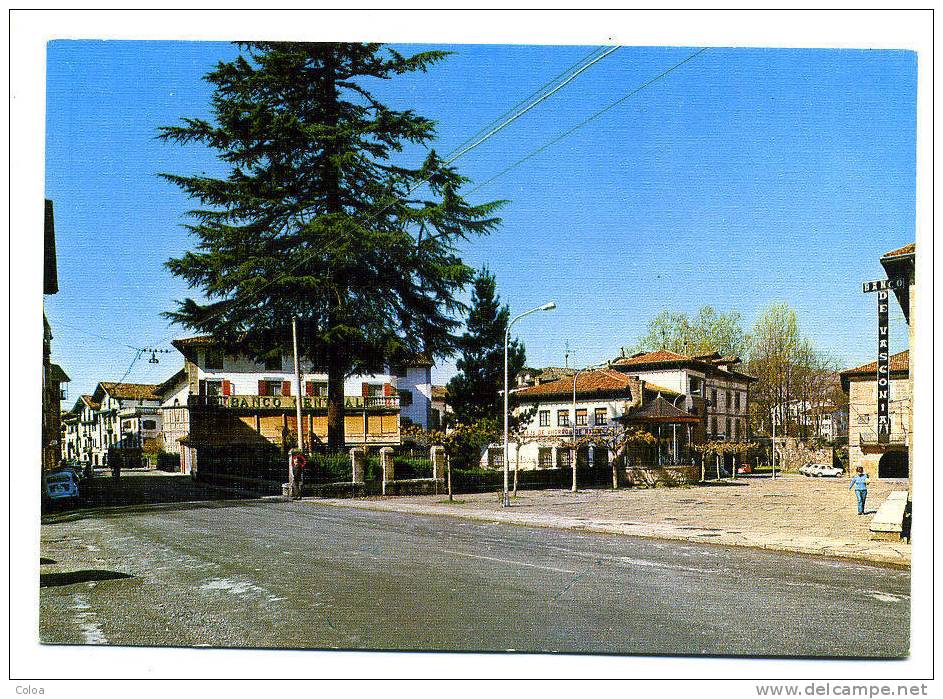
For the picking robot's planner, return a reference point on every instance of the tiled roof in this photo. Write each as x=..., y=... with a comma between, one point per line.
x=90, y=402
x=587, y=383
x=667, y=358
x=899, y=362
x=909, y=249
x=133, y=391
x=658, y=356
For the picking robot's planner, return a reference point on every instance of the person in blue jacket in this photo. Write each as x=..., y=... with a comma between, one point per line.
x=859, y=483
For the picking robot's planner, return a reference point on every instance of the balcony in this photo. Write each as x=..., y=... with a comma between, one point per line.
x=255, y=403
x=869, y=438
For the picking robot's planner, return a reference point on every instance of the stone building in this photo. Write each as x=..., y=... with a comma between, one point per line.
x=880, y=460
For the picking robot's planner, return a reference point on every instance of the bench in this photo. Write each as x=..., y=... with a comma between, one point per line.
x=888, y=521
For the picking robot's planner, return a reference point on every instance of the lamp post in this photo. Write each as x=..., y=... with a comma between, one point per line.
x=507, y=338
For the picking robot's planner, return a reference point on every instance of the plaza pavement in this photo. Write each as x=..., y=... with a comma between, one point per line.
x=791, y=513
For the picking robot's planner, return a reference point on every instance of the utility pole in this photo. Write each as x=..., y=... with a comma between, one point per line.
x=774, y=442
x=294, y=336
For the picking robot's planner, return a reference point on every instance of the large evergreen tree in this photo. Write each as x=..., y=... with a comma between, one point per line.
x=474, y=393
x=315, y=217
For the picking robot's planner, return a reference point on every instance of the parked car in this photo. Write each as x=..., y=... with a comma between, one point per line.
x=828, y=471
x=61, y=486
x=806, y=469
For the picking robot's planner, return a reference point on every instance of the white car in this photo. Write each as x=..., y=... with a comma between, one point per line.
x=806, y=469
x=828, y=471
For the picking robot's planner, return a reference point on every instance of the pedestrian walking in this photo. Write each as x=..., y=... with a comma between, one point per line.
x=859, y=483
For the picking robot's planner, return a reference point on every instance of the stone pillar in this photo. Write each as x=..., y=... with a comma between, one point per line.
x=553, y=456
x=437, y=454
x=386, y=465
x=358, y=462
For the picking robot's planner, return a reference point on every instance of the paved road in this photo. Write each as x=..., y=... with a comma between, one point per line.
x=266, y=573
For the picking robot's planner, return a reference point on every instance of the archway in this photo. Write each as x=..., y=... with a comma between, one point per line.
x=893, y=464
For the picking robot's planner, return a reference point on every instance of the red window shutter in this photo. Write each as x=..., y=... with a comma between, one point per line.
x=263, y=388
x=309, y=388
x=365, y=389
x=286, y=388
x=387, y=389
x=227, y=388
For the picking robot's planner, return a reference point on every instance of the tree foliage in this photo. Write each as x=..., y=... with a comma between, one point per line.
x=475, y=392
x=706, y=332
x=796, y=381
x=315, y=217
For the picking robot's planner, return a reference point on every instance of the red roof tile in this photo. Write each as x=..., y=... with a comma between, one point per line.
x=899, y=362
x=587, y=383
x=909, y=249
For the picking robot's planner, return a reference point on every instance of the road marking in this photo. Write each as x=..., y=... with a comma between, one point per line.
x=507, y=560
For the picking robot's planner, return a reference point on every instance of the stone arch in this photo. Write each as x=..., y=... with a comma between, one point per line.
x=893, y=464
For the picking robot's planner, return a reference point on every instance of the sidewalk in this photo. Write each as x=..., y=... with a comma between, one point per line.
x=792, y=513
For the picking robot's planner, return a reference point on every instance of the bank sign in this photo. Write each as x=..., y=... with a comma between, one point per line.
x=288, y=402
x=882, y=286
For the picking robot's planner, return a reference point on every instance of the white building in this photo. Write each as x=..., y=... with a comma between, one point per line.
x=117, y=416
x=219, y=402
x=686, y=400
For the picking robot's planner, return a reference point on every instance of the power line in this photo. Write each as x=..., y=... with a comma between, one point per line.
x=533, y=104
x=493, y=131
x=587, y=120
x=536, y=92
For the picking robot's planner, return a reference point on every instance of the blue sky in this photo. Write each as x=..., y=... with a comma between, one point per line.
x=747, y=176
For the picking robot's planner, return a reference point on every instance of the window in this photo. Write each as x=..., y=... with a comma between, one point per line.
x=714, y=397
x=214, y=388
x=544, y=457
x=149, y=424
x=729, y=402
x=728, y=427
x=734, y=433
x=545, y=418
x=269, y=387
x=563, y=418
x=601, y=416
x=563, y=458
x=375, y=389
x=581, y=414
x=214, y=360
x=736, y=401
x=864, y=419
x=405, y=398
x=274, y=363
x=712, y=424
x=694, y=386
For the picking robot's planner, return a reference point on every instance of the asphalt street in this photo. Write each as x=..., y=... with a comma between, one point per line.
x=267, y=573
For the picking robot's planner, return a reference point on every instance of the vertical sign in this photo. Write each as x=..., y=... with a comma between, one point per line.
x=883, y=373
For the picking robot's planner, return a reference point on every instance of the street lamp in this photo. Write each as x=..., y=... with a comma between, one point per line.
x=507, y=338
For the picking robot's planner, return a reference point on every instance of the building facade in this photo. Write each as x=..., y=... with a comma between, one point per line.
x=118, y=421
x=220, y=402
x=880, y=460
x=712, y=380
x=54, y=378
x=682, y=400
